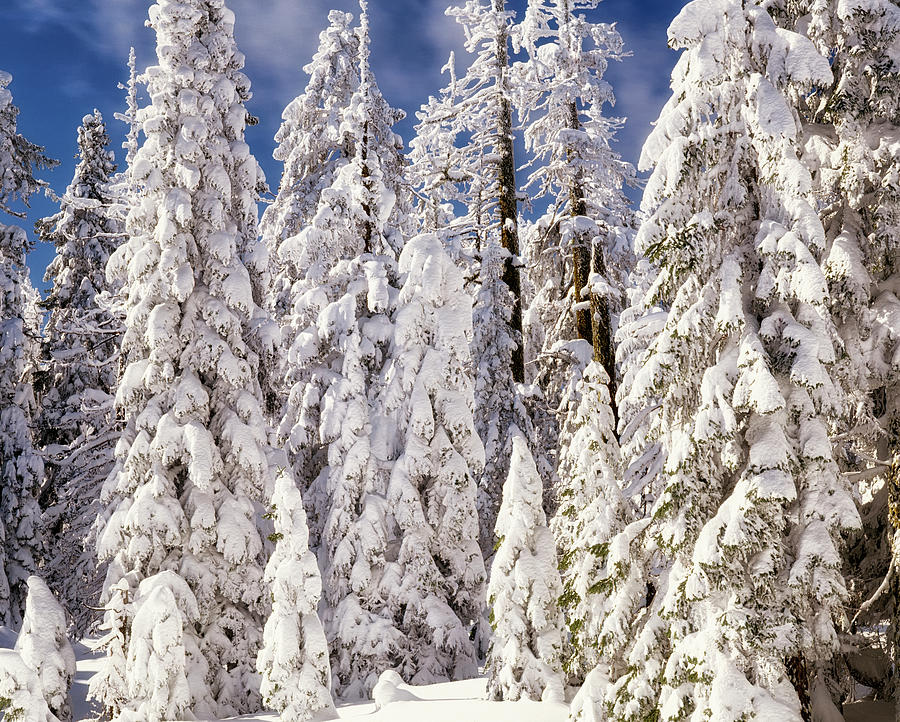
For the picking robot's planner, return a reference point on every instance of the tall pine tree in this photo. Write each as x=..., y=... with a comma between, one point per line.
x=850, y=147
x=464, y=152
x=431, y=492
x=188, y=499
x=77, y=424
x=753, y=507
x=21, y=466
x=339, y=329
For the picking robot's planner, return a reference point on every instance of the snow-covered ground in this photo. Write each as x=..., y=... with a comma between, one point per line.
x=451, y=702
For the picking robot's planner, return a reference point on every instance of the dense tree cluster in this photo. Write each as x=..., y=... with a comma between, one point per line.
x=409, y=423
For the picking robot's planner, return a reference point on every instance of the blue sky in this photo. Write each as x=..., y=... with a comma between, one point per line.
x=68, y=56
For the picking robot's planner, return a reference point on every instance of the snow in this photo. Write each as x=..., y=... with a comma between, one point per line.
x=462, y=701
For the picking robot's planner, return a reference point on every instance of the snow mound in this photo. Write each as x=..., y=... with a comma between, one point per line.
x=388, y=690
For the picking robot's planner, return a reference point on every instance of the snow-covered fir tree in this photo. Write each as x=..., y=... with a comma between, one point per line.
x=340, y=333
x=77, y=423
x=431, y=494
x=44, y=647
x=592, y=510
x=21, y=466
x=294, y=660
x=754, y=505
x=318, y=218
x=627, y=579
x=851, y=148
x=21, y=695
x=187, y=502
x=164, y=664
x=464, y=154
x=525, y=658
x=583, y=241
x=499, y=405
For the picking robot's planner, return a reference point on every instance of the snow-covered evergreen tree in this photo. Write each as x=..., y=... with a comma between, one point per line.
x=592, y=510
x=340, y=333
x=431, y=493
x=498, y=404
x=754, y=506
x=109, y=685
x=628, y=579
x=464, y=153
x=21, y=467
x=561, y=94
x=77, y=423
x=321, y=217
x=21, y=695
x=194, y=476
x=44, y=647
x=850, y=147
x=294, y=661
x=525, y=658
x=312, y=144
x=164, y=664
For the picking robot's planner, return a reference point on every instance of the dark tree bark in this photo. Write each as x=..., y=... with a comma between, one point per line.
x=507, y=204
x=798, y=674
x=592, y=317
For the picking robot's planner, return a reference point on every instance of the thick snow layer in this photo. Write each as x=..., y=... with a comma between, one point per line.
x=448, y=702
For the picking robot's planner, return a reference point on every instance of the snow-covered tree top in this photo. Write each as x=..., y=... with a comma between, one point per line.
x=84, y=232
x=310, y=142
x=18, y=157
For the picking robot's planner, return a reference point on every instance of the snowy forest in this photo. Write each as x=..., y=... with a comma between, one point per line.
x=448, y=427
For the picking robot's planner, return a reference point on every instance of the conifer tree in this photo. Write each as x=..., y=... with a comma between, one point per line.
x=44, y=647
x=525, y=658
x=77, y=424
x=164, y=663
x=484, y=109
x=753, y=507
x=850, y=130
x=431, y=493
x=317, y=141
x=341, y=304
x=592, y=510
x=21, y=467
x=294, y=661
x=498, y=404
x=464, y=154
x=187, y=502
x=562, y=93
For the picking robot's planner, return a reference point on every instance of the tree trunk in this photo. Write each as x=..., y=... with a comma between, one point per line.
x=593, y=323
x=507, y=205
x=798, y=674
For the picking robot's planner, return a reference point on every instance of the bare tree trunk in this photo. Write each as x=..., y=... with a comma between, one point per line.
x=593, y=322
x=798, y=674
x=507, y=205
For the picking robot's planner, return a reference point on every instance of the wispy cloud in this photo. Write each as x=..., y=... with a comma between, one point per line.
x=411, y=42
